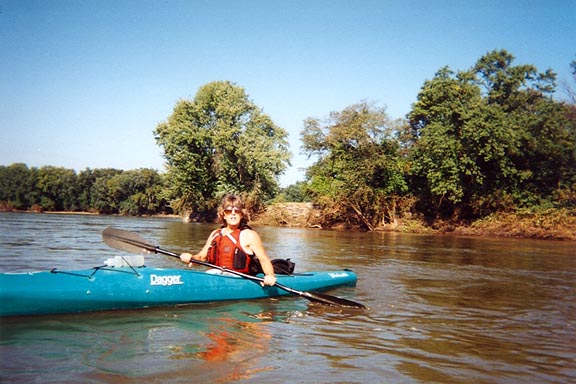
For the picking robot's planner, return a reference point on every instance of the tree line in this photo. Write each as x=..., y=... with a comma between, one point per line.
x=478, y=141
x=106, y=191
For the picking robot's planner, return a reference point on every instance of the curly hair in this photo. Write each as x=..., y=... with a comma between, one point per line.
x=231, y=200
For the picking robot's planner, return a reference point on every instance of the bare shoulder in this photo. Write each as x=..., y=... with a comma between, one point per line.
x=250, y=234
x=211, y=237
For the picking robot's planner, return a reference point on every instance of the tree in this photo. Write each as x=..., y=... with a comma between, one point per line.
x=85, y=181
x=358, y=172
x=294, y=193
x=101, y=196
x=49, y=188
x=136, y=192
x=570, y=89
x=18, y=186
x=488, y=138
x=57, y=187
x=221, y=142
x=440, y=164
x=541, y=154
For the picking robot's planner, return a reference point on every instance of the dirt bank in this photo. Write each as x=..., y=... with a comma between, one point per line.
x=552, y=224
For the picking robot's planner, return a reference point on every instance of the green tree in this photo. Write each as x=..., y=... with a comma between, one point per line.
x=488, y=138
x=58, y=188
x=221, y=142
x=85, y=181
x=18, y=186
x=294, y=193
x=101, y=196
x=136, y=192
x=358, y=174
x=439, y=160
x=543, y=145
x=570, y=89
x=51, y=188
x=565, y=194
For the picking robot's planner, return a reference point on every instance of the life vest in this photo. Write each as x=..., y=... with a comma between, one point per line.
x=225, y=251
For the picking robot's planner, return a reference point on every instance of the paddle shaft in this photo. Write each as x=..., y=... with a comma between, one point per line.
x=224, y=269
x=200, y=262
x=132, y=242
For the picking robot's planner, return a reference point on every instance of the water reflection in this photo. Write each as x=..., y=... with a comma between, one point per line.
x=219, y=342
x=442, y=309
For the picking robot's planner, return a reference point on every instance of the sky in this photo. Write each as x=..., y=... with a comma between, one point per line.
x=83, y=84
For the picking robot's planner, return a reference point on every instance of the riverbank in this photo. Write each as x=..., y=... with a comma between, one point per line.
x=84, y=213
x=550, y=224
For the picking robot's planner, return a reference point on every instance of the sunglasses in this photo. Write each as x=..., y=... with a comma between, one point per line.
x=231, y=210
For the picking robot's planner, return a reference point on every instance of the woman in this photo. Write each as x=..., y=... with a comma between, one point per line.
x=234, y=245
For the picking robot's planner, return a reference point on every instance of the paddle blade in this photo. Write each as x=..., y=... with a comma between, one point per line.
x=332, y=300
x=126, y=241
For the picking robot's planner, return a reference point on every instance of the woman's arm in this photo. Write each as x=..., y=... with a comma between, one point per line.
x=251, y=242
x=202, y=255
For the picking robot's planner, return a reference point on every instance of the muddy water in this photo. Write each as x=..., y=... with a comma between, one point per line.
x=442, y=309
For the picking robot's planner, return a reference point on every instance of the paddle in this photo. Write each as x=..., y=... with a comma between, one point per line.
x=132, y=242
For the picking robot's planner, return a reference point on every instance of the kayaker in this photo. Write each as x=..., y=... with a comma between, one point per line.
x=234, y=245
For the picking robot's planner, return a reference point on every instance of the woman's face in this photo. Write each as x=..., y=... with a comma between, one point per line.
x=232, y=215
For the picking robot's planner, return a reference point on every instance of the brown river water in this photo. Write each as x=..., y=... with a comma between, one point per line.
x=442, y=309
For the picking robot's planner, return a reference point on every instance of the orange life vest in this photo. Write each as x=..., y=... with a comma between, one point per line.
x=225, y=251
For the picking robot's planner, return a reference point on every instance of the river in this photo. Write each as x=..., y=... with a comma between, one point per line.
x=442, y=309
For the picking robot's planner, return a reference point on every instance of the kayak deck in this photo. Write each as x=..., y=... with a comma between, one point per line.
x=109, y=288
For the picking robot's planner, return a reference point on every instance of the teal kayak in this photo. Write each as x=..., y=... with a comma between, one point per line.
x=124, y=287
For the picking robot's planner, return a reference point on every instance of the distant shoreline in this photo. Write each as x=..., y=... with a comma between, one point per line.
x=81, y=213
x=503, y=226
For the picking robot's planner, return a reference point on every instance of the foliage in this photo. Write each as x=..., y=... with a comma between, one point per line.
x=358, y=171
x=221, y=142
x=570, y=89
x=17, y=186
x=294, y=193
x=485, y=142
x=489, y=139
x=49, y=188
x=57, y=189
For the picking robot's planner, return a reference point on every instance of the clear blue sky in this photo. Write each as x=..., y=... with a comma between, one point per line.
x=84, y=83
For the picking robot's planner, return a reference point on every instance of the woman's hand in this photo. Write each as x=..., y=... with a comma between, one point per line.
x=269, y=280
x=186, y=257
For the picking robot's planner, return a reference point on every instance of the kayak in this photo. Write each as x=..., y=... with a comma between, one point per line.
x=127, y=287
